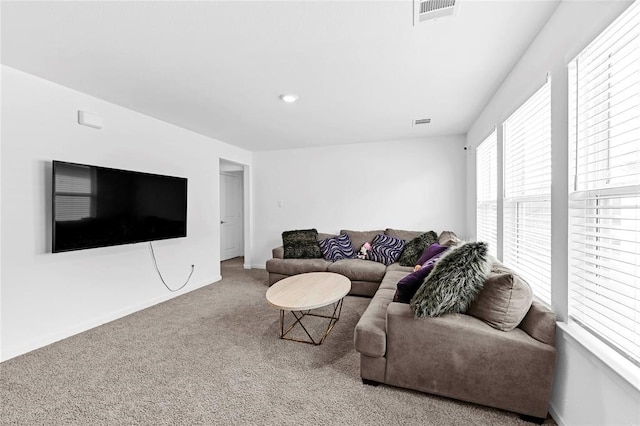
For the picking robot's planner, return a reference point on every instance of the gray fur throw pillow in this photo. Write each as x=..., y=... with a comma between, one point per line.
x=414, y=248
x=456, y=279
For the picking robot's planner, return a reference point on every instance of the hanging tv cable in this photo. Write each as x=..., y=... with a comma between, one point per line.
x=155, y=262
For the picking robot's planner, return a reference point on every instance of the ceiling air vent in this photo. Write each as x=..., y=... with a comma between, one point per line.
x=421, y=121
x=424, y=10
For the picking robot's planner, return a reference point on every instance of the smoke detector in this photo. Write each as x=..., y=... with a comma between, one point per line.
x=424, y=10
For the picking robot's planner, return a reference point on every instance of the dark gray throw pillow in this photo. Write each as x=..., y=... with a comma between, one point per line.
x=301, y=244
x=414, y=248
x=456, y=279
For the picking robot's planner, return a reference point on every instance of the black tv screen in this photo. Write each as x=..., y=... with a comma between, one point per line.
x=99, y=206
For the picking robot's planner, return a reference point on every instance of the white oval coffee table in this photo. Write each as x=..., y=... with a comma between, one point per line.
x=302, y=293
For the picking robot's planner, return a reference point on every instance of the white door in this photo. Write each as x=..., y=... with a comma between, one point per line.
x=231, y=219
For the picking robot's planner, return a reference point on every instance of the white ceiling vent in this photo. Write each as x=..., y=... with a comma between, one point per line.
x=421, y=121
x=424, y=10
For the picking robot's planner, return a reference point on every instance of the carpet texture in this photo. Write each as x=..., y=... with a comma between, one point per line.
x=213, y=357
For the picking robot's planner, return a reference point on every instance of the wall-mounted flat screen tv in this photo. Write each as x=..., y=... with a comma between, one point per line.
x=99, y=206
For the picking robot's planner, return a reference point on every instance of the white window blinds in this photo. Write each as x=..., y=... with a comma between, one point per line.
x=486, y=190
x=527, y=192
x=604, y=197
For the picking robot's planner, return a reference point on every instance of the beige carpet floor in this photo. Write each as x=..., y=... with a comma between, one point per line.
x=213, y=357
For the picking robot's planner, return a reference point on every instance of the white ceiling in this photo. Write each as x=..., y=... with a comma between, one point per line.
x=362, y=70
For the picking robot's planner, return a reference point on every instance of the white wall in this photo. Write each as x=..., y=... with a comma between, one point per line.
x=414, y=185
x=586, y=390
x=46, y=297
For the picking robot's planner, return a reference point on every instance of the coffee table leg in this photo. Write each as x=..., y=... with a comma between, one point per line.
x=337, y=310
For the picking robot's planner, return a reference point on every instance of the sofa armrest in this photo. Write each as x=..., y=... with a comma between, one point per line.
x=540, y=323
x=278, y=252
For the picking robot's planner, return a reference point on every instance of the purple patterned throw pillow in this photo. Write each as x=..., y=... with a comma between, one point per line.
x=337, y=248
x=385, y=249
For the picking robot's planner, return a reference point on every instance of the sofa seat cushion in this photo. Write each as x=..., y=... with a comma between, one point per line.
x=398, y=267
x=296, y=266
x=391, y=278
x=370, y=336
x=359, y=269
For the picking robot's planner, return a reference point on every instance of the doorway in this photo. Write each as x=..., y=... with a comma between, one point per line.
x=231, y=210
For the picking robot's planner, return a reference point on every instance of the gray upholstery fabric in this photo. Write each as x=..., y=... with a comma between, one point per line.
x=359, y=269
x=403, y=235
x=540, y=323
x=398, y=267
x=373, y=368
x=364, y=288
x=358, y=238
x=448, y=238
x=462, y=357
x=391, y=278
x=278, y=252
x=274, y=278
x=296, y=266
x=323, y=236
x=370, y=336
x=504, y=300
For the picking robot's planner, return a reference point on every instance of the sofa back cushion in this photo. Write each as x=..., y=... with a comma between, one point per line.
x=504, y=299
x=358, y=238
x=448, y=238
x=402, y=234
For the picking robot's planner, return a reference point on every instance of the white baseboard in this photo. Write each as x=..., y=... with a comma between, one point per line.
x=556, y=416
x=42, y=341
x=263, y=266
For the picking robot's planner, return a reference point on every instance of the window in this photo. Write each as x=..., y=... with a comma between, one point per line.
x=604, y=191
x=486, y=190
x=527, y=192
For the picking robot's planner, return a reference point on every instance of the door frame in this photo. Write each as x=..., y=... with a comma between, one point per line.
x=230, y=165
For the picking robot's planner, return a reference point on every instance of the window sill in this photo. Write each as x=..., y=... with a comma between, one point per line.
x=624, y=368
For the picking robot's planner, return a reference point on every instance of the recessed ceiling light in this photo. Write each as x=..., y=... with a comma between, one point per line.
x=289, y=97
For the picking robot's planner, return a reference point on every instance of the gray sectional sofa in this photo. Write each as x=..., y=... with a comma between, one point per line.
x=365, y=275
x=455, y=355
